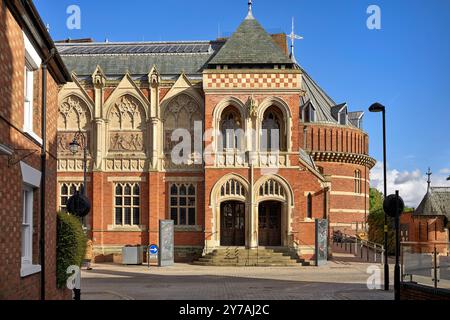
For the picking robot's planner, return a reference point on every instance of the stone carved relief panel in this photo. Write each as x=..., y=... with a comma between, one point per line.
x=74, y=115
x=64, y=138
x=126, y=142
x=127, y=114
x=127, y=126
x=182, y=112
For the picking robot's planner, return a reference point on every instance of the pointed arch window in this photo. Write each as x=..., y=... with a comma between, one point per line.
x=273, y=135
x=231, y=129
x=271, y=188
x=233, y=188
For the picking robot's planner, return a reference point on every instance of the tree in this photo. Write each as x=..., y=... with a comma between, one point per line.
x=376, y=221
x=376, y=200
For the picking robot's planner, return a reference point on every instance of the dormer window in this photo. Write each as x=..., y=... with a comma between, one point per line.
x=343, y=117
x=356, y=119
x=309, y=113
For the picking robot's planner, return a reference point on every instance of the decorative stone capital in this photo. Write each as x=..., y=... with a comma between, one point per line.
x=154, y=77
x=98, y=78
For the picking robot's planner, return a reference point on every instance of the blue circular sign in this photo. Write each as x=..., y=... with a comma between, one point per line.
x=153, y=249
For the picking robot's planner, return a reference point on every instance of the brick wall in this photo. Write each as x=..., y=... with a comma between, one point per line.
x=411, y=291
x=12, y=65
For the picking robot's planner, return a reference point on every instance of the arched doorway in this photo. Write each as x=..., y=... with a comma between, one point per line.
x=269, y=221
x=232, y=226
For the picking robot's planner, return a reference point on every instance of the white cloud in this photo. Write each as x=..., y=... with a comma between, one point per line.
x=445, y=171
x=411, y=184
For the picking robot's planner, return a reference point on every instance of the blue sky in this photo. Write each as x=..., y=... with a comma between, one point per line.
x=405, y=65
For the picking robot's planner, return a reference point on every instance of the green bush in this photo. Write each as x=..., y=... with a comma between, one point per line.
x=376, y=229
x=70, y=246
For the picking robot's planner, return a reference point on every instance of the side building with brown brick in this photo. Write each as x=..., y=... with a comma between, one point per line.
x=25, y=59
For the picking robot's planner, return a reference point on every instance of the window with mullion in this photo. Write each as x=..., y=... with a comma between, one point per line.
x=127, y=204
x=67, y=189
x=182, y=204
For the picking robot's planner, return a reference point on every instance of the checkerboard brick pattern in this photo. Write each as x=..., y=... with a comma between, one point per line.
x=252, y=81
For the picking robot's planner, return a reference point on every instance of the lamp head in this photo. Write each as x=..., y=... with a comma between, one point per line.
x=377, y=107
x=74, y=146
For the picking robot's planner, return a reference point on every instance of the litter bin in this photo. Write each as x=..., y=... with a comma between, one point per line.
x=132, y=255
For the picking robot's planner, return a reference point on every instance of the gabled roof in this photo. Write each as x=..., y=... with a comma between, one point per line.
x=250, y=45
x=435, y=203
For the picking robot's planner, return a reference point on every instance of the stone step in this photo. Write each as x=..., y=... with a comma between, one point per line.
x=251, y=256
x=265, y=264
x=247, y=260
x=241, y=257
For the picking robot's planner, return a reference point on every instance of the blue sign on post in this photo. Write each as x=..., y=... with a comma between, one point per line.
x=153, y=249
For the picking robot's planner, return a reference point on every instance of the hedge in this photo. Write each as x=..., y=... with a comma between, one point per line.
x=70, y=247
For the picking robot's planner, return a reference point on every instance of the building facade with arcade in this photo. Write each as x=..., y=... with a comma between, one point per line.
x=229, y=138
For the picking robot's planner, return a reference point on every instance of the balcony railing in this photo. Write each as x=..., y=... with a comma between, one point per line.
x=238, y=159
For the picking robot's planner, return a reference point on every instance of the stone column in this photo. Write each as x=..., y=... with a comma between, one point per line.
x=99, y=82
x=254, y=226
x=155, y=130
x=100, y=139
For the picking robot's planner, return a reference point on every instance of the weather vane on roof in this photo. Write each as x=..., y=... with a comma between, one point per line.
x=250, y=14
x=429, y=173
x=294, y=37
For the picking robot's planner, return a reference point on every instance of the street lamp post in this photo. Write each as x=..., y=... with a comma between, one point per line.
x=79, y=141
x=377, y=107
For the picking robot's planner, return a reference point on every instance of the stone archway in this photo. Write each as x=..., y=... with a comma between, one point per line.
x=272, y=211
x=233, y=190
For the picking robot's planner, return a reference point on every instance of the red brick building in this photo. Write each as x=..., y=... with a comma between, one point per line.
x=28, y=260
x=429, y=223
x=278, y=151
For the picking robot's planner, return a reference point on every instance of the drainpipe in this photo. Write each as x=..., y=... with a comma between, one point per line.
x=43, y=169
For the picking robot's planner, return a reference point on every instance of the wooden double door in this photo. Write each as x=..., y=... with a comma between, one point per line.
x=232, y=230
x=270, y=224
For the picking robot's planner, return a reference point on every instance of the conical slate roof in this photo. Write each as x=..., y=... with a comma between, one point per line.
x=250, y=45
x=435, y=203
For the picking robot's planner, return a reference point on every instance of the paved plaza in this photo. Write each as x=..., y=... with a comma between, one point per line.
x=339, y=280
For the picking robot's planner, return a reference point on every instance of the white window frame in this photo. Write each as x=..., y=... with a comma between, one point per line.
x=69, y=185
x=132, y=205
x=186, y=207
x=32, y=64
x=31, y=181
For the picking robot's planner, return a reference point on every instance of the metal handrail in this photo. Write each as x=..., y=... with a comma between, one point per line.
x=361, y=244
x=206, y=242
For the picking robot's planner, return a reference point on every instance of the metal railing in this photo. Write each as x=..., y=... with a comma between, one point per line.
x=426, y=263
x=362, y=249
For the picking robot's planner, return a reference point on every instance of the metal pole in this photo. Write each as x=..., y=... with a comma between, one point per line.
x=83, y=138
x=397, y=249
x=386, y=257
x=43, y=178
x=435, y=269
